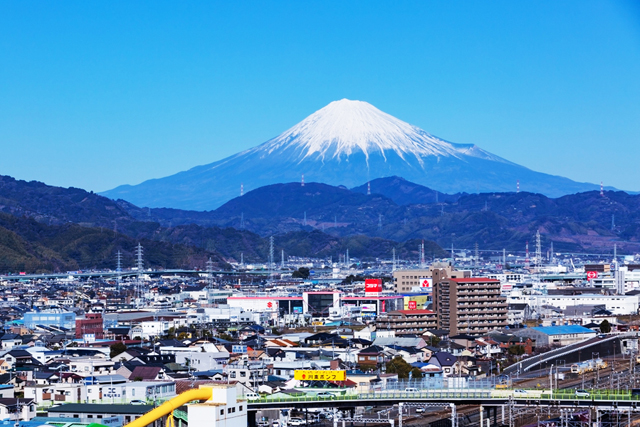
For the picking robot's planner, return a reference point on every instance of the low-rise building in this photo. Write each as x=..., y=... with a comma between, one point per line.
x=556, y=335
x=407, y=322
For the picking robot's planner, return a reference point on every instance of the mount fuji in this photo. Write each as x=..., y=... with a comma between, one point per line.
x=346, y=143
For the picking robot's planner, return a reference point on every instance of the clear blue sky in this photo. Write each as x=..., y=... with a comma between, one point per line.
x=98, y=94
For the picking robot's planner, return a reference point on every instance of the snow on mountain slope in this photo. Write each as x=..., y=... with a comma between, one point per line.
x=346, y=127
x=345, y=143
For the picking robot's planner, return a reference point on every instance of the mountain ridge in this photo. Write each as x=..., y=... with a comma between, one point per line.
x=345, y=143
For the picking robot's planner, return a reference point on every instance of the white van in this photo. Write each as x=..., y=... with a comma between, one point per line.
x=252, y=396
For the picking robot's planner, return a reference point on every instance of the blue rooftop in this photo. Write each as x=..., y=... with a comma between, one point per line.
x=562, y=330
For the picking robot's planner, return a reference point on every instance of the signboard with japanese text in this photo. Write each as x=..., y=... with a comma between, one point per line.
x=372, y=285
x=238, y=348
x=413, y=305
x=592, y=275
x=316, y=375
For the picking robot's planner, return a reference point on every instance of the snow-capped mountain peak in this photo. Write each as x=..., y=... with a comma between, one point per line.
x=345, y=127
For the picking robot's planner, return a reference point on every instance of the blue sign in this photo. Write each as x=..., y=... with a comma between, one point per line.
x=312, y=272
x=238, y=348
x=297, y=310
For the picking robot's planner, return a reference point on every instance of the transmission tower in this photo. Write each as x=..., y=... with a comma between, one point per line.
x=271, y=257
x=538, y=254
x=282, y=260
x=118, y=269
x=139, y=267
x=210, y=274
x=477, y=257
x=394, y=259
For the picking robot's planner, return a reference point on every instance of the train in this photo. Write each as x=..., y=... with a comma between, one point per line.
x=588, y=366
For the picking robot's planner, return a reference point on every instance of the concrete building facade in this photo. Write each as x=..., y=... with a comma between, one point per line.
x=472, y=306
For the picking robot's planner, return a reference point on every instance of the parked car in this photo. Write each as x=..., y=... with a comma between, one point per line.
x=411, y=390
x=582, y=393
x=420, y=409
x=520, y=392
x=296, y=422
x=137, y=402
x=252, y=396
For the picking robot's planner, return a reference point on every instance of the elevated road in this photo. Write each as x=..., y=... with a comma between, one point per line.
x=581, y=350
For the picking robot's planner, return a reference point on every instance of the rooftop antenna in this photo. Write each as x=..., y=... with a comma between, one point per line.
x=518, y=186
x=241, y=189
x=452, y=257
x=302, y=180
x=369, y=188
x=347, y=259
x=526, y=256
x=422, y=254
x=601, y=188
x=282, y=260
x=379, y=221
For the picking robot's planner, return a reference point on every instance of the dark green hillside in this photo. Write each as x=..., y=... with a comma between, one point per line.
x=27, y=245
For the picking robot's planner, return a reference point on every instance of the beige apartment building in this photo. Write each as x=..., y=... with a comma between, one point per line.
x=405, y=280
x=407, y=322
x=471, y=306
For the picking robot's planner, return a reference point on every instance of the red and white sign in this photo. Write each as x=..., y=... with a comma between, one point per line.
x=372, y=285
x=426, y=283
x=413, y=305
x=592, y=275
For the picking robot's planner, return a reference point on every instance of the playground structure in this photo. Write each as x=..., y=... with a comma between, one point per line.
x=210, y=405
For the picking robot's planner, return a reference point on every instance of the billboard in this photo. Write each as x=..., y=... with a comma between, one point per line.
x=238, y=349
x=426, y=284
x=368, y=307
x=373, y=285
x=297, y=310
x=592, y=275
x=316, y=375
x=413, y=305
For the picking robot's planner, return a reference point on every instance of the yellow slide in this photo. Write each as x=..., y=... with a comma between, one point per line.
x=167, y=407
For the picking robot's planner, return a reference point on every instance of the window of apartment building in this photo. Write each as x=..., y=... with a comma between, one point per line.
x=243, y=374
x=221, y=411
x=233, y=374
x=239, y=408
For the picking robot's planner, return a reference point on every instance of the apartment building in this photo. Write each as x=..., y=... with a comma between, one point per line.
x=472, y=306
x=407, y=280
x=407, y=322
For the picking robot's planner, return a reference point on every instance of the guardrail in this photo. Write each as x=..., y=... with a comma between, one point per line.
x=498, y=395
